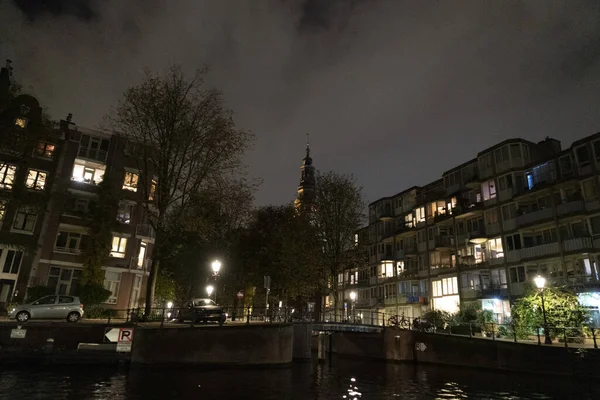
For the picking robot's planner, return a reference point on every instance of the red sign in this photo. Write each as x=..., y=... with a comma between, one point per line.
x=240, y=295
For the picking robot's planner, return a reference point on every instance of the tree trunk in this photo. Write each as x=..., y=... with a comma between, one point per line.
x=150, y=286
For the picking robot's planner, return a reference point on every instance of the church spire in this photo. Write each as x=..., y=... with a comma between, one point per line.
x=306, y=189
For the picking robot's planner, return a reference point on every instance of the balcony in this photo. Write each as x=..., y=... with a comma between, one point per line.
x=571, y=207
x=444, y=242
x=495, y=261
x=442, y=268
x=67, y=250
x=452, y=189
x=592, y=205
x=577, y=244
x=413, y=298
x=145, y=232
x=544, y=250
x=366, y=303
x=144, y=265
x=509, y=224
x=486, y=172
x=534, y=217
x=505, y=194
x=513, y=255
x=493, y=229
x=472, y=181
x=493, y=290
x=490, y=202
x=470, y=262
x=421, y=247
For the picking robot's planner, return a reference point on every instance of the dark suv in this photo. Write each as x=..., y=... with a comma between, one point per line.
x=202, y=310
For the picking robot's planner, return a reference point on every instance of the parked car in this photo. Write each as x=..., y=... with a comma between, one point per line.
x=49, y=307
x=202, y=310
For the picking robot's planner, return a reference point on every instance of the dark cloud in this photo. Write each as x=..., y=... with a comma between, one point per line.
x=392, y=91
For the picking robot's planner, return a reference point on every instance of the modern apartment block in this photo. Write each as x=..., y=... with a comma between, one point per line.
x=41, y=241
x=483, y=231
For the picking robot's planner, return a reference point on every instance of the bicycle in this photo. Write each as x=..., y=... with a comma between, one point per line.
x=402, y=323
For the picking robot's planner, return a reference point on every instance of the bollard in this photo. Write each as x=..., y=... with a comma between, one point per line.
x=493, y=332
x=162, y=320
x=127, y=316
x=49, y=346
x=594, y=338
x=565, y=336
x=538, y=334
x=109, y=315
x=248, y=316
x=514, y=329
x=470, y=330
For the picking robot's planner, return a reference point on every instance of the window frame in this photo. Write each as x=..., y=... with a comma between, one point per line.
x=6, y=181
x=27, y=212
x=116, y=252
x=34, y=184
x=131, y=181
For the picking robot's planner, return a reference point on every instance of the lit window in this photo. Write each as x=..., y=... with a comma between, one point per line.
x=7, y=176
x=2, y=210
x=112, y=281
x=118, y=247
x=152, y=190
x=131, y=181
x=44, y=149
x=495, y=248
x=36, y=180
x=83, y=173
x=21, y=122
x=25, y=219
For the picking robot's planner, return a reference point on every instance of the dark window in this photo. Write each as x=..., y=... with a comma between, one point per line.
x=583, y=156
x=12, y=262
x=65, y=299
x=47, y=300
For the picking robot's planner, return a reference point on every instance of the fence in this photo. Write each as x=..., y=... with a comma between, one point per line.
x=568, y=336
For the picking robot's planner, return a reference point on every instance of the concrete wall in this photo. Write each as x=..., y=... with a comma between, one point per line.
x=302, y=341
x=420, y=347
x=66, y=337
x=231, y=345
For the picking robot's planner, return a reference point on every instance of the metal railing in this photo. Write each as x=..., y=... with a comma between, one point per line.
x=583, y=336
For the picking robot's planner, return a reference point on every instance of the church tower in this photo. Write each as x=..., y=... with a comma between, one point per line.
x=307, y=187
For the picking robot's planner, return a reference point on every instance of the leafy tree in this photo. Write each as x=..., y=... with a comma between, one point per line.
x=338, y=214
x=92, y=294
x=187, y=140
x=101, y=222
x=562, y=309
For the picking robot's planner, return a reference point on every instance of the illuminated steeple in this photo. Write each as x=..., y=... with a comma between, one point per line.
x=307, y=187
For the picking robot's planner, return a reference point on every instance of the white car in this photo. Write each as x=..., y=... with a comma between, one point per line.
x=49, y=307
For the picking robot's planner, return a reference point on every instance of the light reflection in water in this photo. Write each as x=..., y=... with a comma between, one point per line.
x=342, y=379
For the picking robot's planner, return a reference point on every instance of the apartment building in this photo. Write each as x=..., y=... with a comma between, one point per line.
x=47, y=193
x=483, y=231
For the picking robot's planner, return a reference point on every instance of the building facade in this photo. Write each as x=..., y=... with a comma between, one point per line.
x=47, y=194
x=482, y=232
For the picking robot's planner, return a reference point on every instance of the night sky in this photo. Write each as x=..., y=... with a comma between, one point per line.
x=394, y=91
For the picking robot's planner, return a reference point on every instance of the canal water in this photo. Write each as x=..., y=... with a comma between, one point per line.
x=342, y=379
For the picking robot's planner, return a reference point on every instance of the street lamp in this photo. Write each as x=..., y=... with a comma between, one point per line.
x=540, y=282
x=353, y=299
x=209, y=290
x=216, y=267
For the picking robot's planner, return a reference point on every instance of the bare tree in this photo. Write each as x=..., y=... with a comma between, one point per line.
x=338, y=213
x=186, y=141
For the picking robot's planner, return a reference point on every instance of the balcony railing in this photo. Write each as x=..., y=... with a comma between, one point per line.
x=578, y=244
x=571, y=207
x=67, y=250
x=444, y=241
x=135, y=264
x=534, y=216
x=145, y=231
x=540, y=251
x=413, y=298
x=366, y=302
x=493, y=229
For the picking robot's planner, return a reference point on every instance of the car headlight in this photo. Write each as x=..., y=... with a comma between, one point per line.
x=13, y=310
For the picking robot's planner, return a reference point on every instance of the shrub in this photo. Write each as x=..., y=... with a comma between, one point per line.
x=37, y=292
x=100, y=313
x=438, y=318
x=93, y=294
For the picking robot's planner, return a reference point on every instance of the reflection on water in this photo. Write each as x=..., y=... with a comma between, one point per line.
x=343, y=379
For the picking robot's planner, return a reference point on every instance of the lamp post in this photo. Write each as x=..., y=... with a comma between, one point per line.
x=540, y=282
x=216, y=267
x=353, y=299
x=209, y=290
